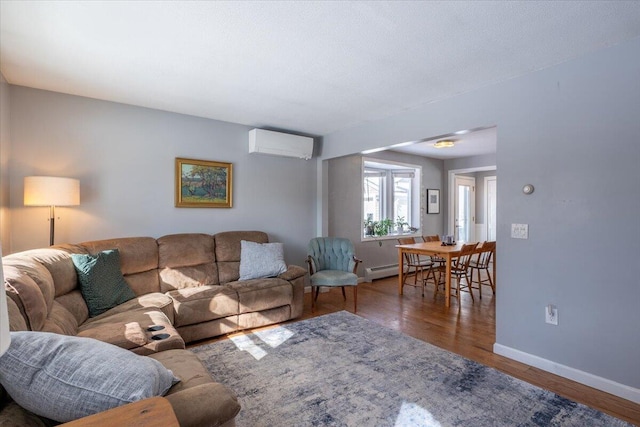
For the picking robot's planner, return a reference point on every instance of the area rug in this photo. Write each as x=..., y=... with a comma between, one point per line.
x=343, y=370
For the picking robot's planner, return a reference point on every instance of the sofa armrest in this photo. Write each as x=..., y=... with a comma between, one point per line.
x=211, y=404
x=293, y=272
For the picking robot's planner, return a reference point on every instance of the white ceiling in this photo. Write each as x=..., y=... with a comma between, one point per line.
x=312, y=67
x=467, y=143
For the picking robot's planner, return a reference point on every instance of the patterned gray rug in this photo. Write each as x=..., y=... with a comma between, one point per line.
x=343, y=370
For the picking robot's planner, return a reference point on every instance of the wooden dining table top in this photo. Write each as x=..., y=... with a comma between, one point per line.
x=433, y=247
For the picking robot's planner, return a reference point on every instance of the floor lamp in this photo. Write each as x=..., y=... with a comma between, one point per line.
x=51, y=191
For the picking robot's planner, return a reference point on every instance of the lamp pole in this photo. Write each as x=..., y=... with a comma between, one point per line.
x=52, y=223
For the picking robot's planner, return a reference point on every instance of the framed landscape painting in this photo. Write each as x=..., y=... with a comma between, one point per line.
x=203, y=184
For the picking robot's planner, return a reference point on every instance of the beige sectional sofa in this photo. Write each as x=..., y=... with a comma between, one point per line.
x=185, y=284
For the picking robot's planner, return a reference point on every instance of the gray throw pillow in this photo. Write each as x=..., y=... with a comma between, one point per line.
x=259, y=260
x=64, y=378
x=101, y=282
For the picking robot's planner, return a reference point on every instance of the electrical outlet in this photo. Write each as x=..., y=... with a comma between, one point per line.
x=551, y=314
x=519, y=231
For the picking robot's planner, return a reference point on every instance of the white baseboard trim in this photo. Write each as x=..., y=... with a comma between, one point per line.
x=603, y=384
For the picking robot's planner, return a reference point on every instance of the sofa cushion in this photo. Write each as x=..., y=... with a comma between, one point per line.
x=186, y=260
x=154, y=300
x=261, y=260
x=228, y=249
x=262, y=294
x=203, y=303
x=101, y=281
x=138, y=260
x=196, y=387
x=26, y=294
x=13, y=415
x=86, y=376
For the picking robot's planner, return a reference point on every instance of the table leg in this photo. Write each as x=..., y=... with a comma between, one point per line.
x=400, y=271
x=447, y=283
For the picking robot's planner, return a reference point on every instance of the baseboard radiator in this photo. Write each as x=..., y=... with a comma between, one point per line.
x=380, y=272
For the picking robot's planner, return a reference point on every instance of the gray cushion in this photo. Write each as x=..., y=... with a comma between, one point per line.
x=101, y=282
x=64, y=378
x=334, y=278
x=261, y=260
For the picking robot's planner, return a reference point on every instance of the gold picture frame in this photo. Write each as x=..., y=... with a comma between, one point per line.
x=203, y=184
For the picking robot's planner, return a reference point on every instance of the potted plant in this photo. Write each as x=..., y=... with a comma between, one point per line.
x=401, y=224
x=369, y=227
x=382, y=227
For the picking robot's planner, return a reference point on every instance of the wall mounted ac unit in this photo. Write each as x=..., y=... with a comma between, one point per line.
x=280, y=144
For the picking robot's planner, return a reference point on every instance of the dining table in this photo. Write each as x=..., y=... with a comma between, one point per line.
x=446, y=252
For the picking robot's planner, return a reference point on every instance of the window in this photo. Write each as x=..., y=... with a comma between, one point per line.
x=391, y=192
x=372, y=194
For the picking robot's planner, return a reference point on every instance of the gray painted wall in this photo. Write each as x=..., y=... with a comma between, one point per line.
x=572, y=131
x=5, y=146
x=124, y=158
x=345, y=205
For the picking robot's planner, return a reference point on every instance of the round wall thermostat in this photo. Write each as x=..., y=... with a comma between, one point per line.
x=527, y=189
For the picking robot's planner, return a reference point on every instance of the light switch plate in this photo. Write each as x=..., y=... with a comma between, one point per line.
x=519, y=231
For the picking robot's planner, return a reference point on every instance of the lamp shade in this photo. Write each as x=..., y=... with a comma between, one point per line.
x=5, y=337
x=51, y=191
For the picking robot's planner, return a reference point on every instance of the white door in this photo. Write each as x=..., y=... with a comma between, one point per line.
x=465, y=208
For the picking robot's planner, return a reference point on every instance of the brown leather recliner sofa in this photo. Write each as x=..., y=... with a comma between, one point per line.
x=185, y=283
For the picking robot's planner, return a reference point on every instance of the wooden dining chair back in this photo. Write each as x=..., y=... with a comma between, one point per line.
x=459, y=270
x=413, y=265
x=439, y=261
x=481, y=263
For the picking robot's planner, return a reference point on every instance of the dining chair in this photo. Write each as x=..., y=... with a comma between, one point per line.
x=332, y=263
x=459, y=271
x=414, y=265
x=435, y=259
x=482, y=263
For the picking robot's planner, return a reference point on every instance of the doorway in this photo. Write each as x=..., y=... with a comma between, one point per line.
x=464, y=208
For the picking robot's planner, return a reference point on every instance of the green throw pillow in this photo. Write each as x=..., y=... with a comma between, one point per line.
x=101, y=281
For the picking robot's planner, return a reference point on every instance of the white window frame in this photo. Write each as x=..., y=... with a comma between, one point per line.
x=414, y=217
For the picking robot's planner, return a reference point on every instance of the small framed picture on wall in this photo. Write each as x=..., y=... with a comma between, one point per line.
x=433, y=201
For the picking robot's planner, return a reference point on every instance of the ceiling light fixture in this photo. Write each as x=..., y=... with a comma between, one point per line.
x=444, y=143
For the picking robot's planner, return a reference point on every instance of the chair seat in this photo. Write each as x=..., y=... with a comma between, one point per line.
x=334, y=278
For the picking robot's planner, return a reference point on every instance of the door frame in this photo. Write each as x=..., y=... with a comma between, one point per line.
x=465, y=181
x=486, y=203
x=451, y=182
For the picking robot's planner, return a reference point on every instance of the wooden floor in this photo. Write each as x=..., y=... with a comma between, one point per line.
x=468, y=331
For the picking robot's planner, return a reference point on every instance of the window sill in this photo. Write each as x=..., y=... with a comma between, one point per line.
x=390, y=236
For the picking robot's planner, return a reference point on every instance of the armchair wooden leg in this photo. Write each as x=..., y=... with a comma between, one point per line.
x=344, y=295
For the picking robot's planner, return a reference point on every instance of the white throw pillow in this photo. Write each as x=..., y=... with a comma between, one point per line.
x=64, y=378
x=260, y=260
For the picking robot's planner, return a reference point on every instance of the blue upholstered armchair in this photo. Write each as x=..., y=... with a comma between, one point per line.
x=332, y=262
